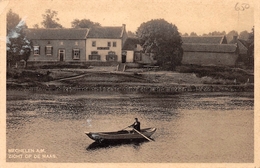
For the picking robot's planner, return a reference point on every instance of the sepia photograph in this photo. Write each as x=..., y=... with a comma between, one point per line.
x=137, y=83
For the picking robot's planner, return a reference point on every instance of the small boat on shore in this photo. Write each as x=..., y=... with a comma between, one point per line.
x=122, y=135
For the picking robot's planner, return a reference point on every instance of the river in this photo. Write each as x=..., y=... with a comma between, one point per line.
x=203, y=127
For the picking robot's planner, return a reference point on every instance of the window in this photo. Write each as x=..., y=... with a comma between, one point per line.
x=111, y=56
x=94, y=53
x=111, y=53
x=137, y=56
x=76, y=43
x=109, y=44
x=94, y=56
x=36, y=50
x=114, y=44
x=61, y=43
x=93, y=43
x=76, y=54
x=48, y=50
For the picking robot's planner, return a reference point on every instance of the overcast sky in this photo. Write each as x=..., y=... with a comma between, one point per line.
x=200, y=16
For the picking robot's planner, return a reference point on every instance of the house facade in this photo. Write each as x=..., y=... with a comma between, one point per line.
x=57, y=45
x=104, y=44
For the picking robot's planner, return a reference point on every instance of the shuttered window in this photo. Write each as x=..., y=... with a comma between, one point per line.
x=94, y=56
x=75, y=54
x=111, y=56
x=36, y=50
x=48, y=50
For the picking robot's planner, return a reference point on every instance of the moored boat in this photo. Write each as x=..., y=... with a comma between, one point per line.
x=145, y=133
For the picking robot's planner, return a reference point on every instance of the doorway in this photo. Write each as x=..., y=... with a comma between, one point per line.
x=61, y=55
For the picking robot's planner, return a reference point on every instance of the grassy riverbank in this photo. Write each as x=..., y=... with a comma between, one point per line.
x=101, y=77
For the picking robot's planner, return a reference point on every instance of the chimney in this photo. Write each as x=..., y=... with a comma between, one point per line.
x=123, y=25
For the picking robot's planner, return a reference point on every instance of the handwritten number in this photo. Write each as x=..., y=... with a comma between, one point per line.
x=246, y=5
x=236, y=7
x=241, y=7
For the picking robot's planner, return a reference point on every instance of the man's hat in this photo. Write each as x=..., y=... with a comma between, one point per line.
x=136, y=118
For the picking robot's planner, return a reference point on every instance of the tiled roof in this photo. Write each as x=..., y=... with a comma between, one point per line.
x=130, y=43
x=105, y=32
x=241, y=45
x=204, y=39
x=219, y=48
x=57, y=34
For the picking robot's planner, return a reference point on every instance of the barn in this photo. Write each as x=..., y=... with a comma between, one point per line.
x=209, y=51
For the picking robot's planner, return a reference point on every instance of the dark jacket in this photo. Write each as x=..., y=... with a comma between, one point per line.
x=137, y=125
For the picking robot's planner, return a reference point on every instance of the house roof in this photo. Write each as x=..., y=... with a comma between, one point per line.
x=106, y=32
x=241, y=45
x=204, y=39
x=130, y=43
x=57, y=34
x=219, y=48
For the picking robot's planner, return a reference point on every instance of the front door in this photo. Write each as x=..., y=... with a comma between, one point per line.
x=123, y=58
x=61, y=54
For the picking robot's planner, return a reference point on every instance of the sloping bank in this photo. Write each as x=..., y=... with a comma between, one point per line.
x=136, y=87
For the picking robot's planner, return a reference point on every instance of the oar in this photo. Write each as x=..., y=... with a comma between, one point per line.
x=125, y=128
x=143, y=135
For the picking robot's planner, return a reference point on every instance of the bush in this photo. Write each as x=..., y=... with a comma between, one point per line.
x=225, y=73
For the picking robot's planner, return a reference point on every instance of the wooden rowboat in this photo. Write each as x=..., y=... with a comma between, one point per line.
x=121, y=135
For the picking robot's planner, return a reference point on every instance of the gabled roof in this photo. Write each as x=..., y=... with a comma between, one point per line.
x=205, y=39
x=57, y=34
x=219, y=48
x=241, y=45
x=106, y=32
x=130, y=44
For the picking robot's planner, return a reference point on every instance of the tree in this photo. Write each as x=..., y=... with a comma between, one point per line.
x=217, y=33
x=50, y=19
x=36, y=26
x=185, y=34
x=244, y=35
x=131, y=34
x=214, y=33
x=163, y=39
x=193, y=34
x=84, y=23
x=12, y=20
x=250, y=42
x=18, y=46
x=231, y=34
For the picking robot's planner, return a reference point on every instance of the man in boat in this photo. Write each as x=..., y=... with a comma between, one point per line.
x=136, y=125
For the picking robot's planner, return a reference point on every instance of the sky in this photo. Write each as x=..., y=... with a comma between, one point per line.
x=200, y=16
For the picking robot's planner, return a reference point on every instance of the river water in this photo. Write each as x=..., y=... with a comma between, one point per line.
x=191, y=127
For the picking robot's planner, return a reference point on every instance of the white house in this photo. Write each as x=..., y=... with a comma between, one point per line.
x=104, y=44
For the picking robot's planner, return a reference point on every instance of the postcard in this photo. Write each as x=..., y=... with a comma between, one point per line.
x=138, y=83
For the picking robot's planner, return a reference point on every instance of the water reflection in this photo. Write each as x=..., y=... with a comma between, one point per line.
x=135, y=144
